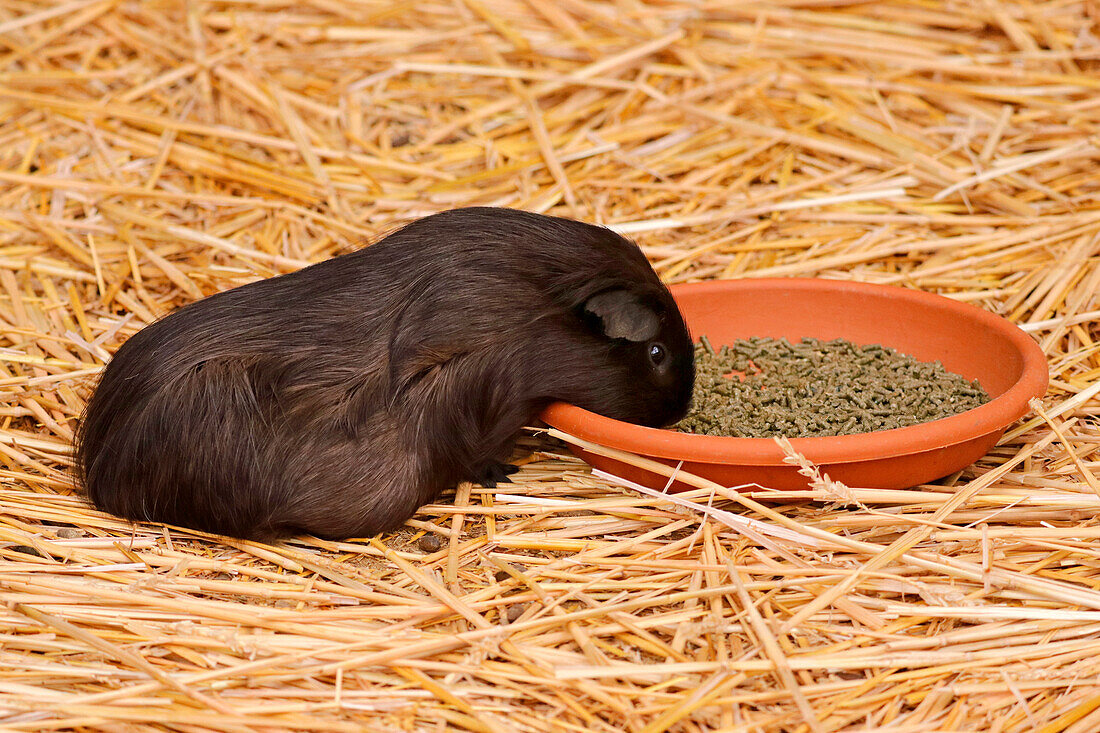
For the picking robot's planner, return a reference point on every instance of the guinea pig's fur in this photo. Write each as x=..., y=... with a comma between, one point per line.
x=338, y=399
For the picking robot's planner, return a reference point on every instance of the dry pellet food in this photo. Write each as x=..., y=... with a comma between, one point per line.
x=765, y=387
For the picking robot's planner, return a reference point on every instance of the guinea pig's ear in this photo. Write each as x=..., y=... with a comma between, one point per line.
x=623, y=316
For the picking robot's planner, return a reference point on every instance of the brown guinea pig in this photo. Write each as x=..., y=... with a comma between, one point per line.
x=338, y=399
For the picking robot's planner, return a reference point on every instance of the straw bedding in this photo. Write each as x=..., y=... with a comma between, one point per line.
x=155, y=152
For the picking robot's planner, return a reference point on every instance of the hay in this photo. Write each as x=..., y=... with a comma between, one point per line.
x=151, y=153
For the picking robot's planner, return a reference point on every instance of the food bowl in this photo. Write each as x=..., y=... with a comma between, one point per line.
x=967, y=340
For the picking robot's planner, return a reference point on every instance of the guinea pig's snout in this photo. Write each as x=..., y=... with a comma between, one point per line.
x=681, y=400
x=673, y=399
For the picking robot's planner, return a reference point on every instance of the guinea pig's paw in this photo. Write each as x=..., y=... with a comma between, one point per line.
x=496, y=473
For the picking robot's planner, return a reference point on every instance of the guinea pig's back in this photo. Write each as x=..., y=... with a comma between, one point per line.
x=191, y=400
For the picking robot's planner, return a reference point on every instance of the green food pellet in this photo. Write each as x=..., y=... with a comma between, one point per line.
x=765, y=388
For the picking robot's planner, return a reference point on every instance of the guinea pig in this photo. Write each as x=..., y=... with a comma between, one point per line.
x=338, y=399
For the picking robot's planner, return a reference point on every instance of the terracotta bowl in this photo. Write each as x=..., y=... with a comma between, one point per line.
x=967, y=340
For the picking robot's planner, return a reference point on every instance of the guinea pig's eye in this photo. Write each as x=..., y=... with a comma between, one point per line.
x=657, y=354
